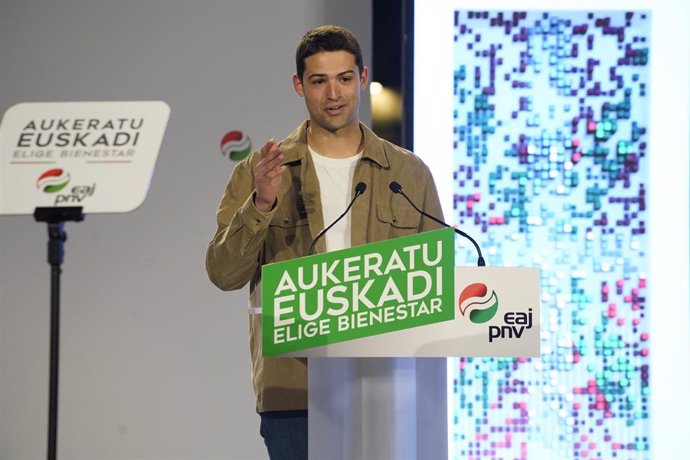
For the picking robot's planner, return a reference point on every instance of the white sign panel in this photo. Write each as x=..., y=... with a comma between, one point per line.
x=98, y=155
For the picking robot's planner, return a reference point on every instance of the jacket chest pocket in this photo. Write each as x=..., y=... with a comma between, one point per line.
x=397, y=220
x=289, y=232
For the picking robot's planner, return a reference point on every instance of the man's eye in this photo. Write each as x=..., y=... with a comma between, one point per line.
x=317, y=82
x=346, y=79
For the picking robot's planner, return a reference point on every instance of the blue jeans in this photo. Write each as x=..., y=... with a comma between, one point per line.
x=285, y=434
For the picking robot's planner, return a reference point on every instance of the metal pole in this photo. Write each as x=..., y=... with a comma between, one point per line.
x=56, y=240
x=55, y=217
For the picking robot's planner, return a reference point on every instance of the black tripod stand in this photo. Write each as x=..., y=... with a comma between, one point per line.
x=55, y=218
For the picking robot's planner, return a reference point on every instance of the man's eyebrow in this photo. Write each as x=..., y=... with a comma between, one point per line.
x=322, y=75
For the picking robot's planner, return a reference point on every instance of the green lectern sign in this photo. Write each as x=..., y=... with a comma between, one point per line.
x=358, y=292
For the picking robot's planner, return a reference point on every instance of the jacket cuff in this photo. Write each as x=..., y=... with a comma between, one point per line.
x=253, y=219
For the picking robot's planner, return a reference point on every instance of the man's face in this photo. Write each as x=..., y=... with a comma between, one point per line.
x=331, y=86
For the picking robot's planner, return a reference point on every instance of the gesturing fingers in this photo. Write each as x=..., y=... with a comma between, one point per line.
x=267, y=175
x=271, y=158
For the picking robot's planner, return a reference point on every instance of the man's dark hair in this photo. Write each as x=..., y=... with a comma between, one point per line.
x=327, y=38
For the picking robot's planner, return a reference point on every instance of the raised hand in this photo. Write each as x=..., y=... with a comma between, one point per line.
x=267, y=176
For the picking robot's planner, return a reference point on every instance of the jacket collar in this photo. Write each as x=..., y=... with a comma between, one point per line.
x=295, y=145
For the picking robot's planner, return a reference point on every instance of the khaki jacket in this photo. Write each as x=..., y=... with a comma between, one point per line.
x=247, y=238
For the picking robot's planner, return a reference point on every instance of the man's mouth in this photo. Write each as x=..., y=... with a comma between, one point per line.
x=335, y=110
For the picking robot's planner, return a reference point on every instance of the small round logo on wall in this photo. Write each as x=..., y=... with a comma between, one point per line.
x=236, y=145
x=476, y=300
x=53, y=180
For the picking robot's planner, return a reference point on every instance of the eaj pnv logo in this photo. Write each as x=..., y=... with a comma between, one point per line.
x=53, y=180
x=236, y=145
x=481, y=306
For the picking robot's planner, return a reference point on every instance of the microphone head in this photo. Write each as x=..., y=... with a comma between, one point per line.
x=395, y=187
x=360, y=188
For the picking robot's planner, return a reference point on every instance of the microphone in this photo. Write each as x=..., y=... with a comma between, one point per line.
x=397, y=188
x=359, y=189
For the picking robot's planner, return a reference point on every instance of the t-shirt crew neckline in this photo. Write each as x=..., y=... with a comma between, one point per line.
x=334, y=162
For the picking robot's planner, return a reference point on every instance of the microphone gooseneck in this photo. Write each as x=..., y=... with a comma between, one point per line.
x=397, y=188
x=359, y=189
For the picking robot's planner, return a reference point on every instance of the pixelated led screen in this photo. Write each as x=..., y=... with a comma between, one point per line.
x=549, y=167
x=563, y=190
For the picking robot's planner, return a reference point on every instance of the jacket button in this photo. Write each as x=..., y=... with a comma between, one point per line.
x=286, y=220
x=394, y=219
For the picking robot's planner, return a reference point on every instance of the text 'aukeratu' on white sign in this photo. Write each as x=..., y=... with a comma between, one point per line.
x=79, y=154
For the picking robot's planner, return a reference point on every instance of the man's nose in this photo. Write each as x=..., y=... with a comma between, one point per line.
x=332, y=90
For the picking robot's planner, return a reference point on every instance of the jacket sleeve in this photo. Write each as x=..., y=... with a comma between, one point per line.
x=233, y=255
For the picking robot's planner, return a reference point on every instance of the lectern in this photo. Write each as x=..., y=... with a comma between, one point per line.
x=377, y=322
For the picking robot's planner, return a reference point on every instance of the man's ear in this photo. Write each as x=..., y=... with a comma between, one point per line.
x=364, y=78
x=297, y=83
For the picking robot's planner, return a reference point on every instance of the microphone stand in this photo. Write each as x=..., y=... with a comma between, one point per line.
x=397, y=188
x=55, y=218
x=359, y=189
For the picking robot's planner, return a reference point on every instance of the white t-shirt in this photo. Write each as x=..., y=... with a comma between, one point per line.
x=335, y=183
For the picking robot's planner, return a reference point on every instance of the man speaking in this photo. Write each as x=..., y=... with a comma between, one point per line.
x=281, y=197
